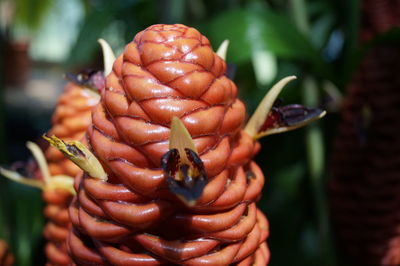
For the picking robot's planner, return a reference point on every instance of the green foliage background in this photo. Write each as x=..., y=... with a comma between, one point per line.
x=317, y=40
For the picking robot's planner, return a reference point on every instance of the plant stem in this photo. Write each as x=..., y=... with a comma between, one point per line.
x=315, y=145
x=299, y=12
x=316, y=166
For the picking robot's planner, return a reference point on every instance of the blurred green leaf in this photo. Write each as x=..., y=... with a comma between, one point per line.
x=94, y=24
x=197, y=8
x=315, y=147
x=30, y=13
x=299, y=13
x=287, y=181
x=316, y=166
x=265, y=66
x=250, y=30
x=172, y=10
x=321, y=30
x=351, y=26
x=26, y=222
x=4, y=207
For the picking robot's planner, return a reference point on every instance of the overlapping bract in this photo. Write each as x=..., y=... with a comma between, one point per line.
x=132, y=219
x=70, y=121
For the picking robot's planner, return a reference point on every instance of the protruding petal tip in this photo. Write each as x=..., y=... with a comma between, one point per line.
x=186, y=181
x=271, y=119
x=62, y=182
x=182, y=166
x=91, y=80
x=80, y=155
x=40, y=159
x=289, y=117
x=180, y=138
x=260, y=115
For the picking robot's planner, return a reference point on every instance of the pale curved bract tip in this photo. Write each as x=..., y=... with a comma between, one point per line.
x=257, y=119
x=16, y=177
x=180, y=138
x=62, y=182
x=49, y=182
x=108, y=56
x=40, y=159
x=223, y=49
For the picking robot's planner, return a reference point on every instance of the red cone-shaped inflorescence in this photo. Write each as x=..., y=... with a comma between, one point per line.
x=366, y=163
x=133, y=218
x=70, y=121
x=6, y=257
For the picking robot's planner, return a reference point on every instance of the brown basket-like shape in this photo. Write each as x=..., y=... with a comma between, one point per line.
x=133, y=218
x=70, y=121
x=366, y=160
x=6, y=257
x=379, y=16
